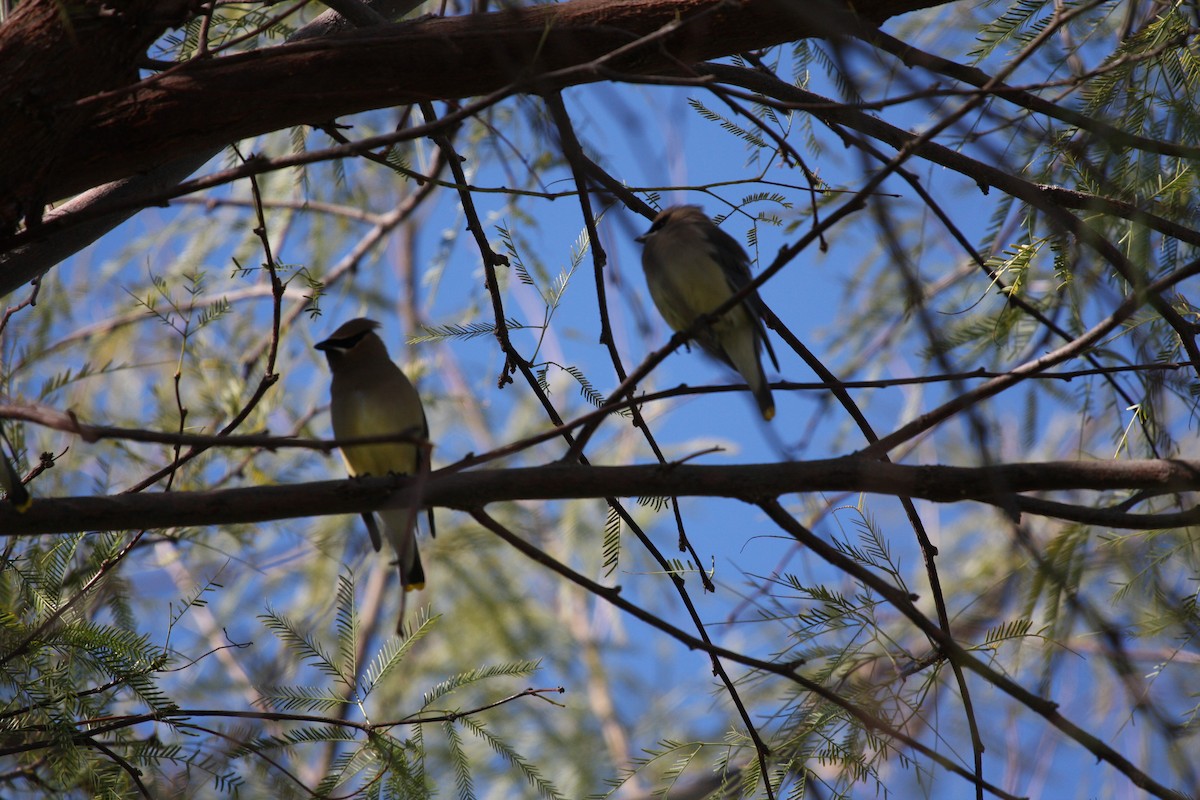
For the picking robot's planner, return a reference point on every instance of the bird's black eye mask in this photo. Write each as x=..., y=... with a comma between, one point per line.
x=343, y=343
x=655, y=227
x=350, y=341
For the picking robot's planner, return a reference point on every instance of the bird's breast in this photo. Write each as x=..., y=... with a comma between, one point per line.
x=359, y=414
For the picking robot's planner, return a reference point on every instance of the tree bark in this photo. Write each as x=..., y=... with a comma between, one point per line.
x=52, y=56
x=114, y=128
x=999, y=485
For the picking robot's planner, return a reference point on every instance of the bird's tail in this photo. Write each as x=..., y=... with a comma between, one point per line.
x=742, y=348
x=762, y=395
x=413, y=577
x=401, y=527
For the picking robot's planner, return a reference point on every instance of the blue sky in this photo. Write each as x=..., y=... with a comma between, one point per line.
x=648, y=136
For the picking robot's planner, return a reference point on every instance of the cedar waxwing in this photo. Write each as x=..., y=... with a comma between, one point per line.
x=370, y=396
x=14, y=491
x=691, y=267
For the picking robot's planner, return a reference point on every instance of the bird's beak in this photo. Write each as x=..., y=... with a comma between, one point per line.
x=325, y=345
x=642, y=239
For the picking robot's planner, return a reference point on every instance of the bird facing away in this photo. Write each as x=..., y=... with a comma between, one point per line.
x=692, y=267
x=370, y=396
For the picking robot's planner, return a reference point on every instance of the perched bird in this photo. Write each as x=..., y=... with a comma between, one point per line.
x=370, y=396
x=692, y=267
x=10, y=481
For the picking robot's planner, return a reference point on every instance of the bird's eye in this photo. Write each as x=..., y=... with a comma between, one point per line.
x=348, y=342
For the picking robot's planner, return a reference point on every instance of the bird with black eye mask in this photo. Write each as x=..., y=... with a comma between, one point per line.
x=371, y=396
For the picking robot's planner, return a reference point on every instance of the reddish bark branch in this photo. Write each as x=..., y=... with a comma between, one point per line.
x=211, y=102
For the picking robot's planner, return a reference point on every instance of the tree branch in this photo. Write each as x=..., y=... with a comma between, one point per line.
x=465, y=490
x=208, y=103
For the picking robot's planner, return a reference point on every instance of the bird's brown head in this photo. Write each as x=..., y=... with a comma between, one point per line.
x=673, y=217
x=352, y=339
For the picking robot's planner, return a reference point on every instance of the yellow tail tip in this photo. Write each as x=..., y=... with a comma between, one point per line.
x=21, y=502
x=414, y=587
x=769, y=413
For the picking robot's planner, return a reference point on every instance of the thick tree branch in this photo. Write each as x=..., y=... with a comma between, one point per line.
x=25, y=263
x=51, y=56
x=465, y=490
x=211, y=102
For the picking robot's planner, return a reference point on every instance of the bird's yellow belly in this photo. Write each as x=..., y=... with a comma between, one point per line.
x=363, y=419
